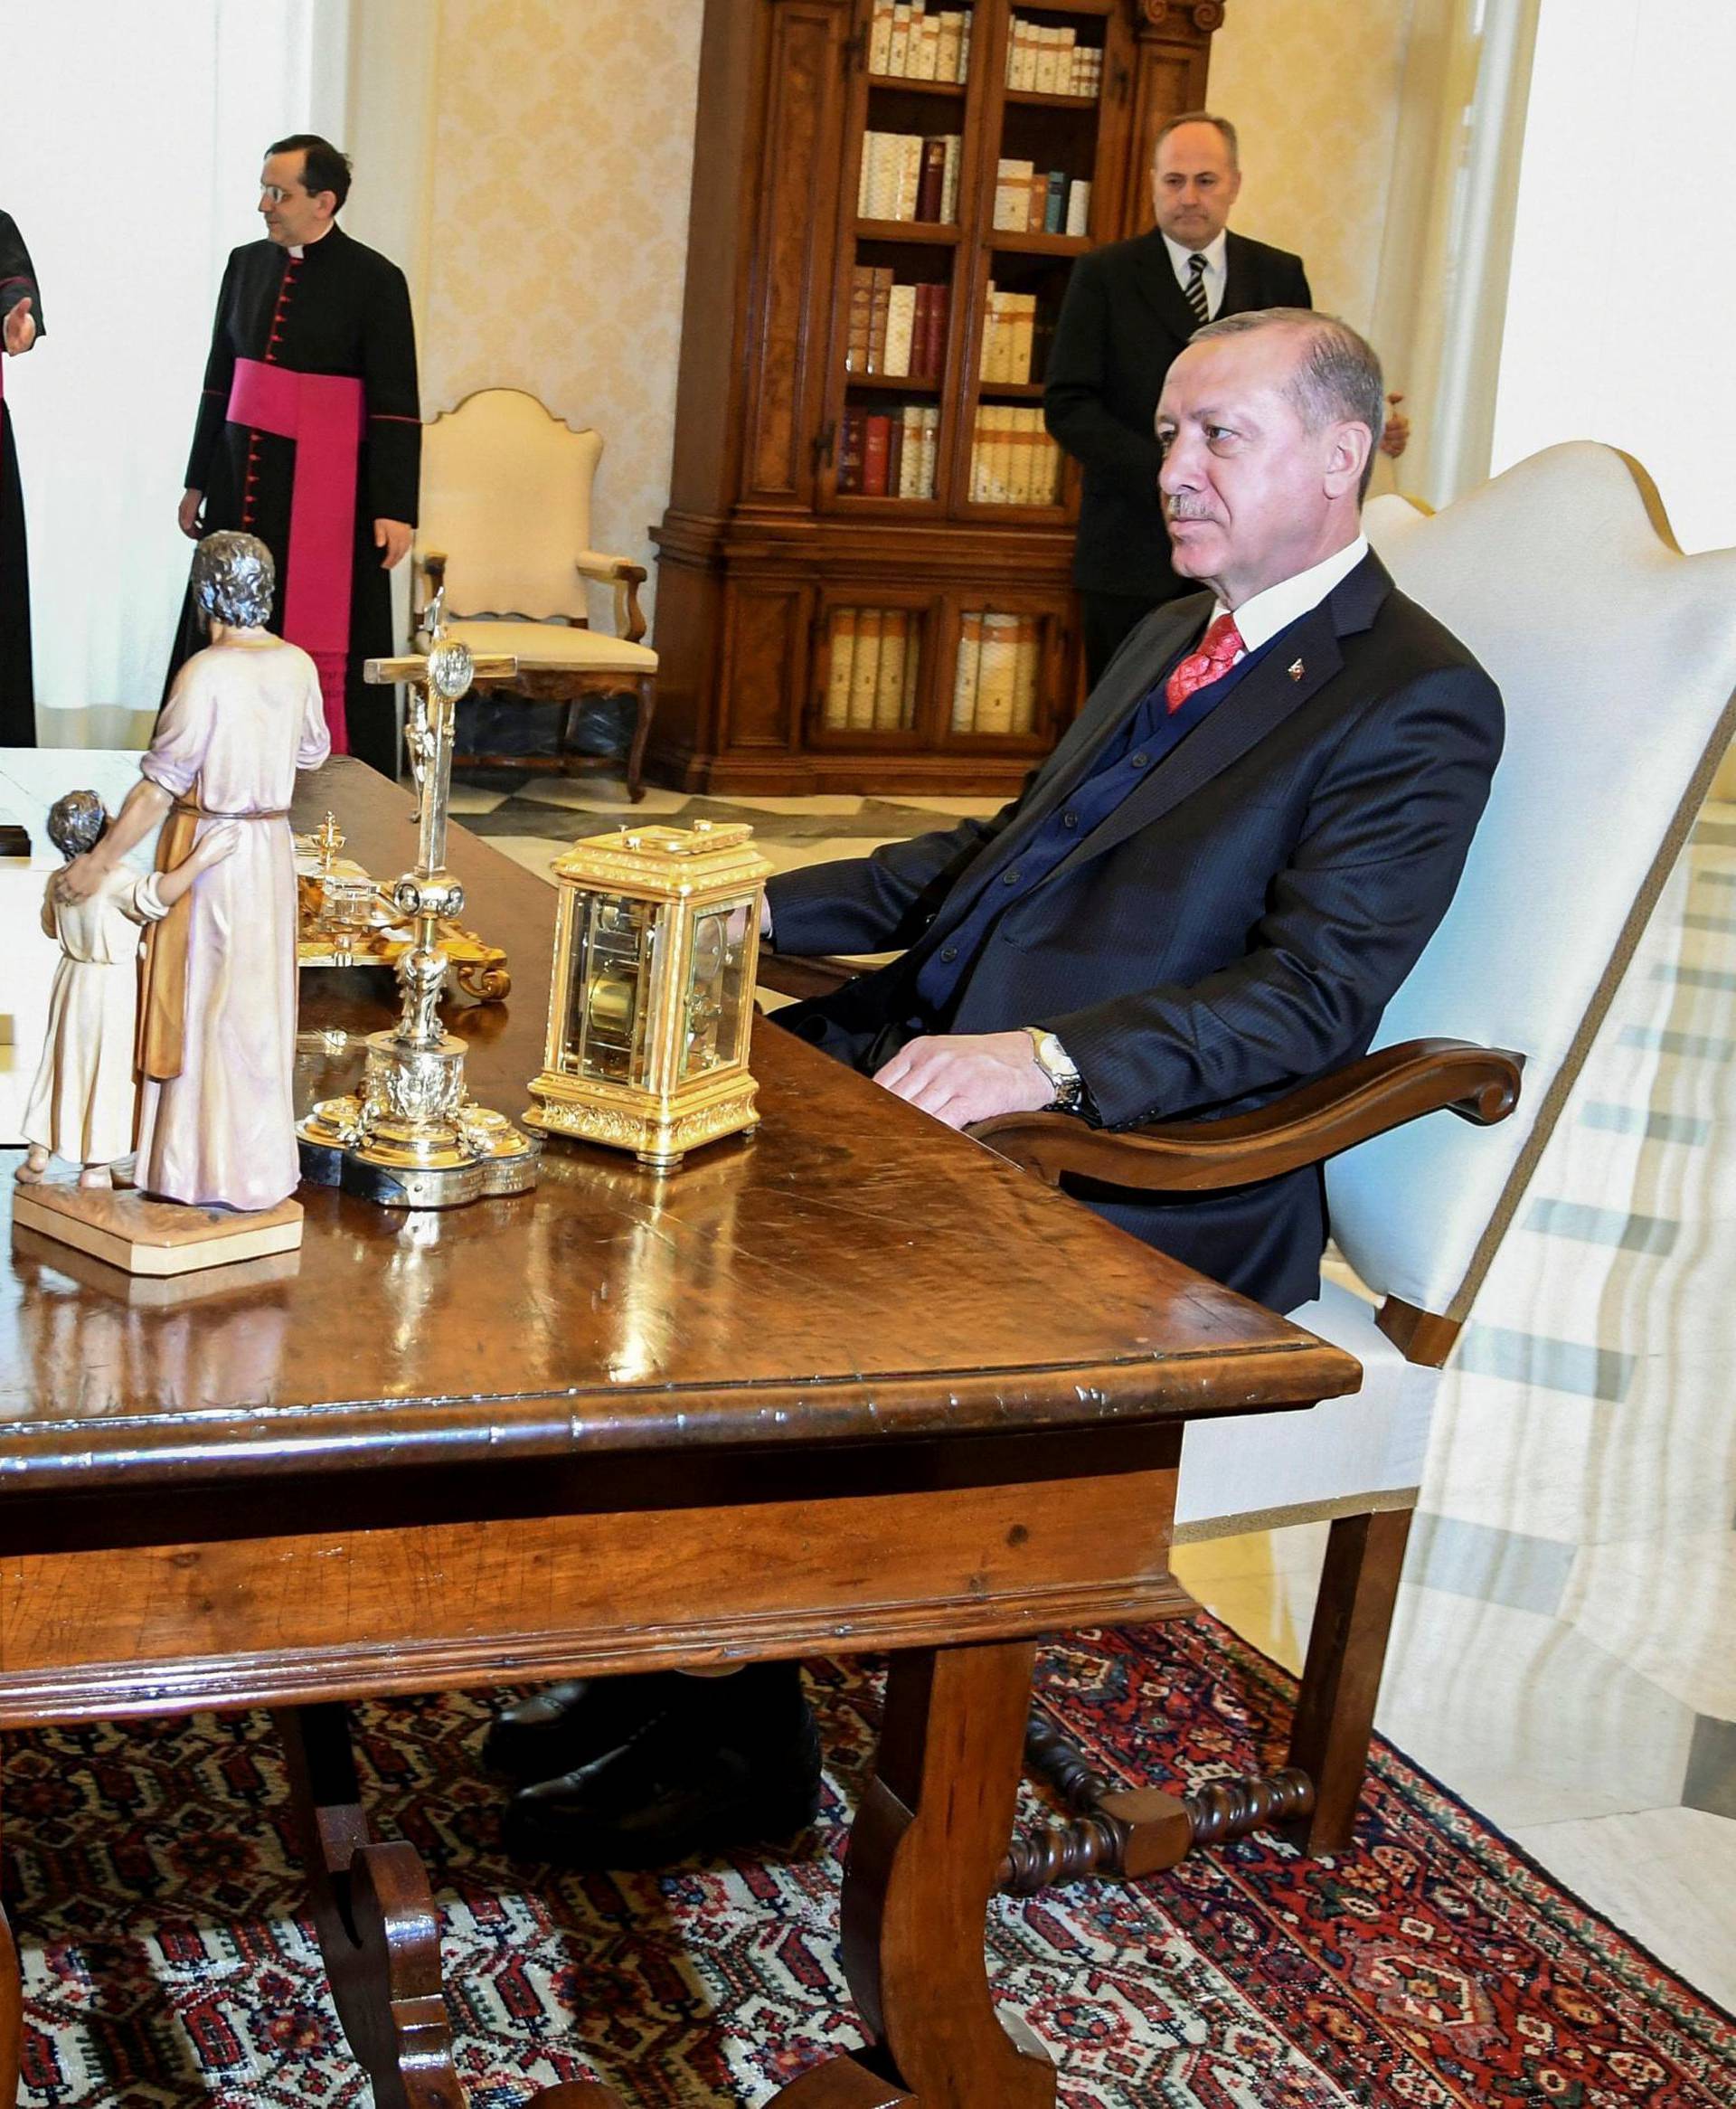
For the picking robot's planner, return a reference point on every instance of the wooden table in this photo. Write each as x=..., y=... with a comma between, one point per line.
x=851, y=1384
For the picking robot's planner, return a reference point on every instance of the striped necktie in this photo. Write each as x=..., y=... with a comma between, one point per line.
x=1196, y=298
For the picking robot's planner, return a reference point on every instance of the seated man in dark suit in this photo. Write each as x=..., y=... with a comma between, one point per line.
x=1204, y=899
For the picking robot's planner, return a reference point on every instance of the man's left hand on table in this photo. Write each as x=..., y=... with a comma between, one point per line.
x=961, y=1077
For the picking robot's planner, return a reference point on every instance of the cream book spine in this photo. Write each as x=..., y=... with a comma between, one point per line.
x=966, y=32
x=1025, y=678
x=1048, y=59
x=925, y=47
x=1023, y=336
x=1079, y=207
x=1000, y=459
x=1011, y=195
x=949, y=181
x=995, y=681
x=889, y=679
x=930, y=448
x=910, y=456
x=898, y=51
x=880, y=37
x=865, y=669
x=1019, y=458
x=967, y=671
x=901, y=320
x=950, y=46
x=841, y=652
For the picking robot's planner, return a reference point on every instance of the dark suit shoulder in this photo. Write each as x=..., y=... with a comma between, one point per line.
x=1262, y=255
x=1416, y=642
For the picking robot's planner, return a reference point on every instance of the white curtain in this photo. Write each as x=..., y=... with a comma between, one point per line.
x=1622, y=309
x=130, y=160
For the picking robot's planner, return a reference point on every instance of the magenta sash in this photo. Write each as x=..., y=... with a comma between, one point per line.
x=325, y=414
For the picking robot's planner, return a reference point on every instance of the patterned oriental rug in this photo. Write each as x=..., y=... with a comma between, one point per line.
x=149, y=1872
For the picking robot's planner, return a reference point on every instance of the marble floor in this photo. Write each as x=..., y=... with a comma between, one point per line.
x=1564, y=1656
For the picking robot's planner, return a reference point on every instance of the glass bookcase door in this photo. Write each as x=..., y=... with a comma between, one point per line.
x=870, y=670
x=1004, y=659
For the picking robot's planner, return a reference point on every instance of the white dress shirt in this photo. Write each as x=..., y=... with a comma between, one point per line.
x=1213, y=277
x=1262, y=615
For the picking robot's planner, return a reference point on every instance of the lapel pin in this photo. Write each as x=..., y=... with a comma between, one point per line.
x=1297, y=669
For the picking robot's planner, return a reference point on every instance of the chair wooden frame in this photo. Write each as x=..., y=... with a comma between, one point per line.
x=1314, y=1795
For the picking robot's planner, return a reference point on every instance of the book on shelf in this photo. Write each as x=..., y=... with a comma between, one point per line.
x=841, y=651
x=865, y=669
x=1009, y=333
x=932, y=183
x=1013, y=460
x=1047, y=58
x=889, y=679
x=1013, y=196
x=1029, y=200
x=929, y=332
x=876, y=453
x=997, y=675
x=900, y=329
x=910, y=41
x=906, y=176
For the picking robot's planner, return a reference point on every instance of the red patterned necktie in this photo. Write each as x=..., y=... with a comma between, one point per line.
x=1218, y=649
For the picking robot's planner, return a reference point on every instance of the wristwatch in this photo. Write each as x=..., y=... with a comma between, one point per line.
x=1055, y=1063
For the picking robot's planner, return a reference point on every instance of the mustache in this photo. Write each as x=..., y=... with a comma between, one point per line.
x=1181, y=508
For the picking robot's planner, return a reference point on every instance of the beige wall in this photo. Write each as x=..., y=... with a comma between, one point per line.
x=1313, y=88
x=562, y=140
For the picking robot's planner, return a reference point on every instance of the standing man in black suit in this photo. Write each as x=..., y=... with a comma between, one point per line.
x=1204, y=899
x=1129, y=308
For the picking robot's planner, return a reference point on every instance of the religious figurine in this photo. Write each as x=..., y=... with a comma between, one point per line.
x=83, y=1105
x=218, y=1007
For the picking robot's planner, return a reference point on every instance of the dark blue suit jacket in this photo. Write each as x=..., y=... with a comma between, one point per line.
x=1233, y=928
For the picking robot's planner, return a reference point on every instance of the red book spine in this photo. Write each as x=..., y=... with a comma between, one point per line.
x=894, y=453
x=930, y=187
x=876, y=453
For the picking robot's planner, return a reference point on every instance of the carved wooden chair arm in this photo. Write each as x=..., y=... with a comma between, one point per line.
x=627, y=579
x=1364, y=1099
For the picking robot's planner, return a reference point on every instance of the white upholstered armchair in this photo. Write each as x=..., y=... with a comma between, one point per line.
x=506, y=530
x=1617, y=658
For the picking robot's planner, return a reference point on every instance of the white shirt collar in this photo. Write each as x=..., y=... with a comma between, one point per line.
x=1263, y=615
x=298, y=249
x=1215, y=251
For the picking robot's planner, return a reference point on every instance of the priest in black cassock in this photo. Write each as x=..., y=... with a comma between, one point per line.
x=309, y=434
x=21, y=324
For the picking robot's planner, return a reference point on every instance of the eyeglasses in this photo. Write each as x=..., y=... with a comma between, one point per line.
x=275, y=195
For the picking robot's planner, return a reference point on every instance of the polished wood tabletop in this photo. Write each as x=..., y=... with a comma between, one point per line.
x=852, y=1381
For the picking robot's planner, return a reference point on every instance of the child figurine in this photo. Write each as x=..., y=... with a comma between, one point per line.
x=81, y=1107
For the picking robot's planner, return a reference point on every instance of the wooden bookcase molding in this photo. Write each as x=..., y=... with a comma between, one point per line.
x=760, y=549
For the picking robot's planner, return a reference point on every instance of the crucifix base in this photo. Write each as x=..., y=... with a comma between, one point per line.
x=411, y=1138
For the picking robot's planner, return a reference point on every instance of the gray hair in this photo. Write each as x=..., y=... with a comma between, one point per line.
x=1199, y=116
x=1338, y=377
x=77, y=823
x=234, y=580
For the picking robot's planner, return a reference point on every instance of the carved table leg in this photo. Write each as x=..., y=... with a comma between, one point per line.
x=375, y=1912
x=924, y=1853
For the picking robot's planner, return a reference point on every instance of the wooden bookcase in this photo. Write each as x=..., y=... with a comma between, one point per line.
x=766, y=566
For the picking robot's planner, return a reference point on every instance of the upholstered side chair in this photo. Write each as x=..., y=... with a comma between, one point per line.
x=1615, y=654
x=505, y=531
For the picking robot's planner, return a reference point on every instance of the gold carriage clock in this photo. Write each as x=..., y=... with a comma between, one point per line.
x=655, y=946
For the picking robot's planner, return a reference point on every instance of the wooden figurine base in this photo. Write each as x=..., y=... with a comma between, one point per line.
x=142, y=1237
